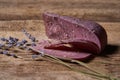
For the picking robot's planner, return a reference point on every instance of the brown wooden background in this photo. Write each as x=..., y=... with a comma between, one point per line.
x=16, y=14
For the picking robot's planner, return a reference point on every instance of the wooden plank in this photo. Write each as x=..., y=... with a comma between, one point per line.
x=93, y=10
x=29, y=68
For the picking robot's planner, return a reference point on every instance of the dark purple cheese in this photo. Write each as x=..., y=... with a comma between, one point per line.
x=72, y=37
x=62, y=51
x=66, y=28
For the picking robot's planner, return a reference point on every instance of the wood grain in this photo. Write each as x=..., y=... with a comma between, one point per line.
x=18, y=14
x=30, y=9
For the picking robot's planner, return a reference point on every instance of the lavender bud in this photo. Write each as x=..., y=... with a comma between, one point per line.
x=4, y=39
x=19, y=44
x=10, y=45
x=24, y=41
x=1, y=45
x=29, y=36
x=33, y=44
x=11, y=42
x=15, y=39
x=11, y=38
x=34, y=56
x=5, y=52
x=25, y=32
x=32, y=39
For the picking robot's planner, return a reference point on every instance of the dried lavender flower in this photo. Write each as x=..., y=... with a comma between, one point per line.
x=33, y=39
x=9, y=45
x=12, y=40
x=34, y=56
x=15, y=39
x=3, y=39
x=19, y=44
x=33, y=44
x=26, y=33
x=1, y=45
x=24, y=41
x=5, y=52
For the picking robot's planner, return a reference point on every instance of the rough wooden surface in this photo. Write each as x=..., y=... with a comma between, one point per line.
x=18, y=14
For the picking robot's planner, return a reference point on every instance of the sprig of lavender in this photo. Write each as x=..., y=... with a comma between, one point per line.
x=1, y=45
x=6, y=52
x=32, y=38
x=3, y=39
x=11, y=43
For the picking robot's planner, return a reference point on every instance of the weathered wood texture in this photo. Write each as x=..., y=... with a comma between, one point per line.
x=18, y=14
